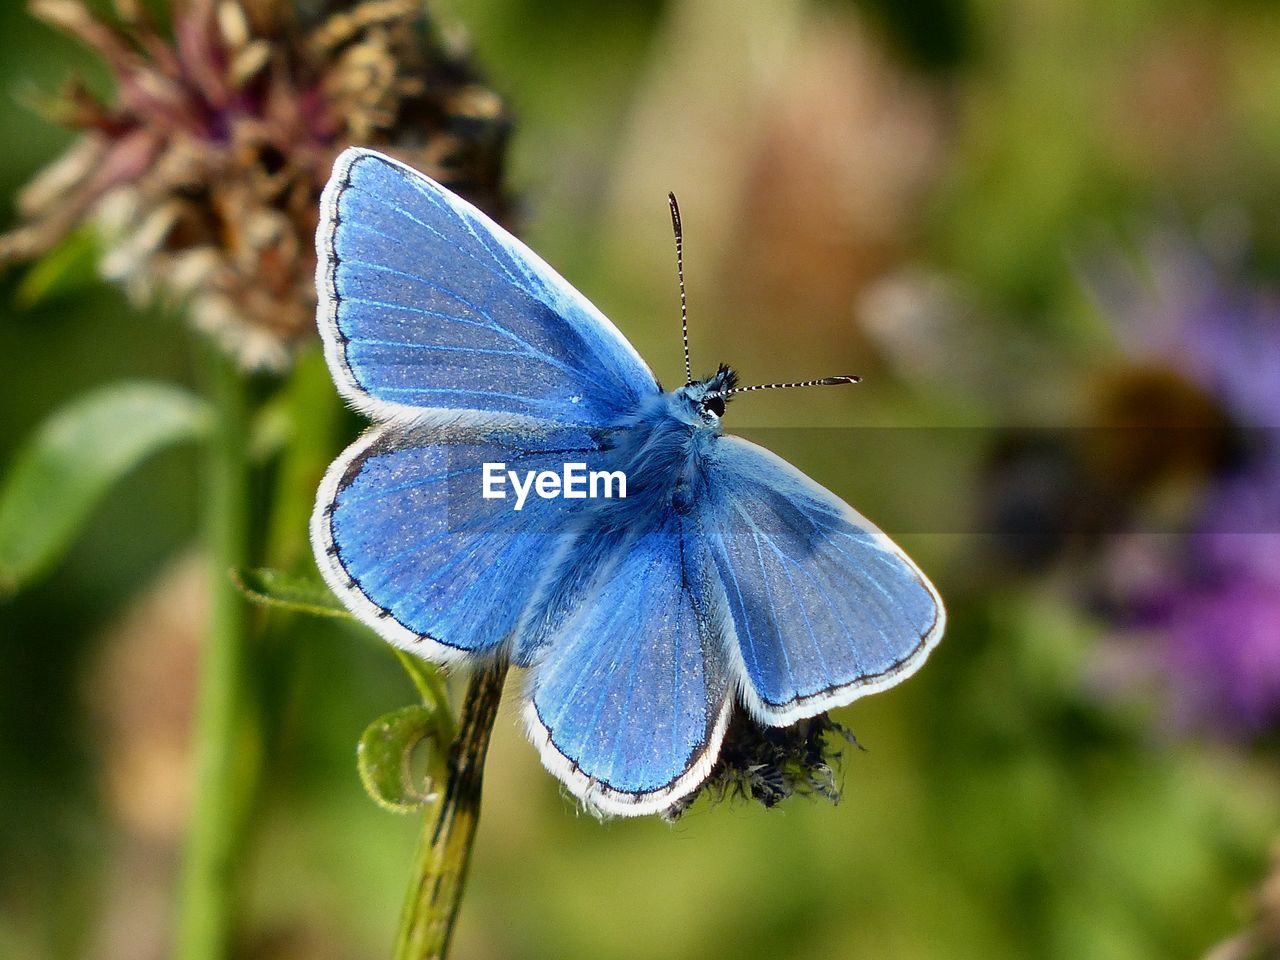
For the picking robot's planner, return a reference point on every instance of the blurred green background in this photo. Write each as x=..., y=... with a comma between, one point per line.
x=904, y=191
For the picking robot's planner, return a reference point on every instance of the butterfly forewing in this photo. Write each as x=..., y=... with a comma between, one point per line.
x=428, y=305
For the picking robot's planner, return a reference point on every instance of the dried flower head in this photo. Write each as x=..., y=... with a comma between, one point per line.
x=204, y=173
x=770, y=764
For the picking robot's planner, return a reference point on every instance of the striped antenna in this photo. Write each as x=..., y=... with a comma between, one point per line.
x=822, y=382
x=684, y=309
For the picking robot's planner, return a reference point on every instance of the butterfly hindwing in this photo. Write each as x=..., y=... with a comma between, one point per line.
x=405, y=536
x=825, y=608
x=427, y=305
x=630, y=700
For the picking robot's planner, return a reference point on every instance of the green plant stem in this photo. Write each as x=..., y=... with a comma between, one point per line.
x=223, y=755
x=449, y=828
x=314, y=413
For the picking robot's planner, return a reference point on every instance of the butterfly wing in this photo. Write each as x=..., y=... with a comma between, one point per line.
x=824, y=607
x=630, y=700
x=428, y=308
x=404, y=535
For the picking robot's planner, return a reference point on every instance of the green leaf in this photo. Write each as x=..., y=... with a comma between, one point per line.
x=63, y=471
x=63, y=270
x=385, y=758
x=275, y=588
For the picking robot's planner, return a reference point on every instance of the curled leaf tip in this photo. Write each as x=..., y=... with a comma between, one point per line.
x=387, y=755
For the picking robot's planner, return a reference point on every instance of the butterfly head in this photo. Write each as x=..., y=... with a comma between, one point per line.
x=706, y=399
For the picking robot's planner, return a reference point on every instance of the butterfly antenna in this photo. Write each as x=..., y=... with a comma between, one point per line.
x=684, y=308
x=823, y=382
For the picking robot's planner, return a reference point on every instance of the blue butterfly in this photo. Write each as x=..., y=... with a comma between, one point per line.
x=724, y=576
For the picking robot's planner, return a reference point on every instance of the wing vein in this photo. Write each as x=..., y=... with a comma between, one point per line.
x=491, y=323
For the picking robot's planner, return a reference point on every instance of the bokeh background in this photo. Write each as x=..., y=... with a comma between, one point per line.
x=1019, y=222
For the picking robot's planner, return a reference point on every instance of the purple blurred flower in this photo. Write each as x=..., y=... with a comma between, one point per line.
x=1180, y=312
x=1209, y=601
x=1216, y=613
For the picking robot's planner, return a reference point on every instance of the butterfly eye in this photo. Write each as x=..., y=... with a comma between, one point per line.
x=715, y=405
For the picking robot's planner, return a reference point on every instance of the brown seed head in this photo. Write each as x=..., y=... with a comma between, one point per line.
x=204, y=171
